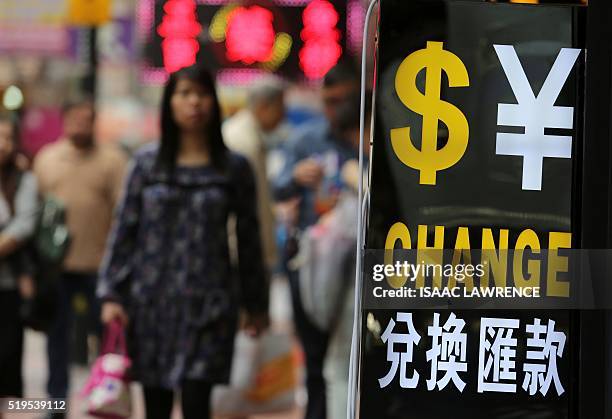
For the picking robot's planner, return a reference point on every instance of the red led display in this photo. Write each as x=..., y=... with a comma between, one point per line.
x=298, y=39
x=250, y=35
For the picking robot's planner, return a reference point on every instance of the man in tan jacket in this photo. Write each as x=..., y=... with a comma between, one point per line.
x=87, y=178
x=244, y=133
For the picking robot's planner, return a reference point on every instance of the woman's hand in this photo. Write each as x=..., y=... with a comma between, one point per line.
x=255, y=324
x=113, y=311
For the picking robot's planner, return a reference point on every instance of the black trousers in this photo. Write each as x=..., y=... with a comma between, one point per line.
x=195, y=401
x=60, y=333
x=11, y=349
x=314, y=343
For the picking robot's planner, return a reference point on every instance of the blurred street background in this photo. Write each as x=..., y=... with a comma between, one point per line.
x=81, y=90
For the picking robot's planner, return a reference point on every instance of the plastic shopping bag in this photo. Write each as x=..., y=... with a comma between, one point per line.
x=327, y=252
x=263, y=378
x=107, y=391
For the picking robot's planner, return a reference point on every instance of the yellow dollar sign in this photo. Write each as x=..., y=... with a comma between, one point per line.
x=428, y=160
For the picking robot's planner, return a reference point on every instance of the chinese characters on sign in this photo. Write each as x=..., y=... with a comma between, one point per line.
x=443, y=356
x=539, y=375
x=400, y=359
x=497, y=354
x=497, y=369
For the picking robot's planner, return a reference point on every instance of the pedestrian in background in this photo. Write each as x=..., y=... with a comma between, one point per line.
x=18, y=216
x=245, y=133
x=314, y=157
x=86, y=177
x=345, y=216
x=167, y=270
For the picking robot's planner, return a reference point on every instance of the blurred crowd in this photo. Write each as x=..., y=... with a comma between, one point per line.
x=177, y=240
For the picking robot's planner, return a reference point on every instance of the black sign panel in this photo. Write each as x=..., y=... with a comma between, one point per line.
x=484, y=398
x=484, y=188
x=478, y=139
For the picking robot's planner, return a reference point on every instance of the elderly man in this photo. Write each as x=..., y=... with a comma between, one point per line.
x=247, y=133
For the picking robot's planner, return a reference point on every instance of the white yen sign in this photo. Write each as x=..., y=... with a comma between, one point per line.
x=535, y=114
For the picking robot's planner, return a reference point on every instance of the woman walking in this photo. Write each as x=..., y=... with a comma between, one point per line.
x=18, y=214
x=167, y=272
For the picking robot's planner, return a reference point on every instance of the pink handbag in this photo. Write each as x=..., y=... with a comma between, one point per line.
x=107, y=391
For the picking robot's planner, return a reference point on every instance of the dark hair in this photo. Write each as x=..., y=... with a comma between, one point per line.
x=170, y=132
x=342, y=72
x=9, y=172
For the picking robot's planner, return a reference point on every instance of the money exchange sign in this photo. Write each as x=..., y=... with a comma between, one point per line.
x=478, y=122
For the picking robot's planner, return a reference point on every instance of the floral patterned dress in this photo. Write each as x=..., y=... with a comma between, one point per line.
x=168, y=263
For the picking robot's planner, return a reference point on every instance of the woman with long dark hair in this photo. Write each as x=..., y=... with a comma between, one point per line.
x=167, y=271
x=18, y=212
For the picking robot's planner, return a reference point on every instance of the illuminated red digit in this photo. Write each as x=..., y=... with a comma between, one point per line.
x=250, y=35
x=180, y=29
x=322, y=49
